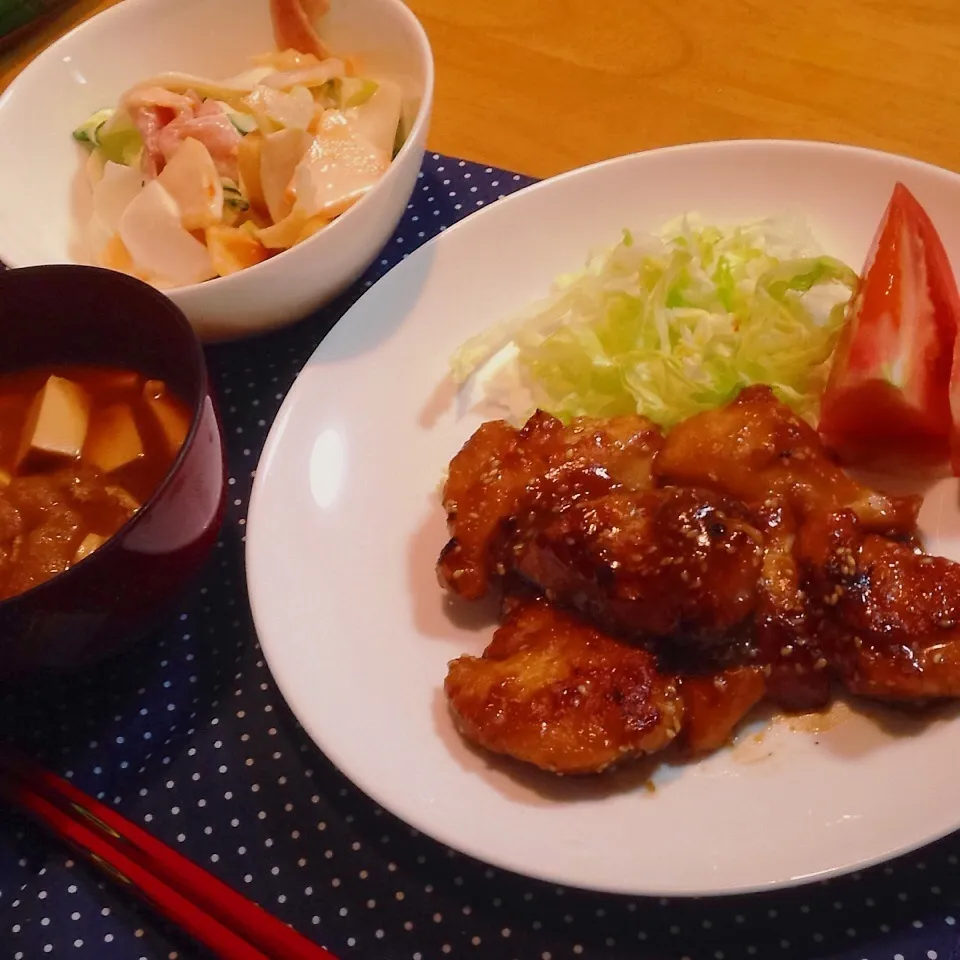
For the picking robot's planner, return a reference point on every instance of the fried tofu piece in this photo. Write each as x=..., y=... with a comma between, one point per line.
x=552, y=691
x=756, y=449
x=494, y=470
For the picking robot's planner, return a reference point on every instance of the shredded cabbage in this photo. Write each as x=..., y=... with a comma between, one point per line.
x=672, y=324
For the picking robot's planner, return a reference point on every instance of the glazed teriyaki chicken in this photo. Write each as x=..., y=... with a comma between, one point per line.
x=656, y=588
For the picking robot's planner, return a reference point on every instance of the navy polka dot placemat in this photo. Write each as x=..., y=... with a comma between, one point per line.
x=188, y=735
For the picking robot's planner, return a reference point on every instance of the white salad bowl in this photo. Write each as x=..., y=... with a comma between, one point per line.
x=41, y=173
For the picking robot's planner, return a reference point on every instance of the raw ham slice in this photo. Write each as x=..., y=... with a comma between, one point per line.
x=212, y=127
x=163, y=130
x=293, y=27
x=152, y=109
x=150, y=121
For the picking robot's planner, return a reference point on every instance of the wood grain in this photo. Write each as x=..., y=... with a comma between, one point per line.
x=546, y=85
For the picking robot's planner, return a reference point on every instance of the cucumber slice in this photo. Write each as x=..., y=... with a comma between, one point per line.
x=356, y=91
x=244, y=123
x=233, y=198
x=88, y=130
x=114, y=133
x=119, y=139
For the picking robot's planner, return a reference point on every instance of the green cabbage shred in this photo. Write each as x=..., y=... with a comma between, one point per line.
x=673, y=324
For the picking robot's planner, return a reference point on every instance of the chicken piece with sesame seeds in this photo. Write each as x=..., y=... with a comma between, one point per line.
x=492, y=472
x=896, y=616
x=715, y=704
x=675, y=563
x=552, y=691
x=656, y=587
x=757, y=449
x=788, y=641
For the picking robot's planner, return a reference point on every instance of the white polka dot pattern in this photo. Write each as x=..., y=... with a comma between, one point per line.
x=188, y=735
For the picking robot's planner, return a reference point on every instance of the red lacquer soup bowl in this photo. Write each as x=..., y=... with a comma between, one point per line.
x=64, y=314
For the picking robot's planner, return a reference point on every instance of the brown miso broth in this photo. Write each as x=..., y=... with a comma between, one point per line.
x=82, y=448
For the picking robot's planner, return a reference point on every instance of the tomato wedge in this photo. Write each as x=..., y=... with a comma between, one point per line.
x=887, y=403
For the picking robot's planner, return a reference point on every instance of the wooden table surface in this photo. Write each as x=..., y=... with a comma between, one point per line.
x=541, y=86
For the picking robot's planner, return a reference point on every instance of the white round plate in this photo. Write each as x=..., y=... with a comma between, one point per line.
x=345, y=527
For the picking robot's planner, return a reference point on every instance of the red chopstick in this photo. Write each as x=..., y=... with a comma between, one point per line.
x=233, y=927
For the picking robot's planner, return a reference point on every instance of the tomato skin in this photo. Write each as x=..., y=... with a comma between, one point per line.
x=888, y=399
x=871, y=426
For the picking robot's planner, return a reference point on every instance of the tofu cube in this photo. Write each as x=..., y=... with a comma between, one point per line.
x=89, y=543
x=56, y=424
x=167, y=414
x=118, y=380
x=114, y=440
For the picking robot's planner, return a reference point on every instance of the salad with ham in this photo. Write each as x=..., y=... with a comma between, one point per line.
x=194, y=178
